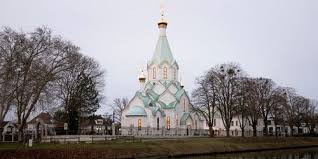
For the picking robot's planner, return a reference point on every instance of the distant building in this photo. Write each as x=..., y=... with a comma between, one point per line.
x=235, y=129
x=10, y=131
x=41, y=125
x=9, y=127
x=95, y=126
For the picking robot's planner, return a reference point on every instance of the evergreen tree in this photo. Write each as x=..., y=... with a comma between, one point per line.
x=84, y=100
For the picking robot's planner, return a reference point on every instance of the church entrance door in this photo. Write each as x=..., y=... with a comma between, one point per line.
x=188, y=130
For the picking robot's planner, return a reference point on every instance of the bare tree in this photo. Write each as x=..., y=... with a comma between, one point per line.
x=38, y=66
x=290, y=108
x=9, y=44
x=118, y=106
x=227, y=92
x=32, y=66
x=243, y=108
x=268, y=98
x=302, y=106
x=224, y=89
x=277, y=111
x=253, y=109
x=36, y=60
x=311, y=117
x=204, y=98
x=264, y=89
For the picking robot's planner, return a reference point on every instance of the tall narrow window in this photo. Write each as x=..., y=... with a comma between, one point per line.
x=175, y=75
x=183, y=105
x=139, y=124
x=177, y=120
x=158, y=123
x=196, y=124
x=168, y=123
x=165, y=73
x=154, y=73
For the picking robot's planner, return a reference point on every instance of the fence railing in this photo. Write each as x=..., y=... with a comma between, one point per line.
x=88, y=139
x=146, y=131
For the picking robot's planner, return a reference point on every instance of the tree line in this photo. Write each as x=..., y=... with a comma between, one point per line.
x=226, y=90
x=39, y=70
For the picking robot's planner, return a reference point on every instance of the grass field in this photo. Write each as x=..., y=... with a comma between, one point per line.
x=152, y=147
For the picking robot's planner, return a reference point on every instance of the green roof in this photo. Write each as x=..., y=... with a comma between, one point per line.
x=179, y=94
x=184, y=117
x=151, y=99
x=156, y=109
x=162, y=52
x=153, y=96
x=169, y=106
x=136, y=111
x=145, y=99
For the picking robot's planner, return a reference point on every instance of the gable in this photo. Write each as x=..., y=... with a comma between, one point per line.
x=185, y=118
x=135, y=101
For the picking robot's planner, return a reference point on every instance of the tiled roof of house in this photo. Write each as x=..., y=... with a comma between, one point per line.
x=43, y=117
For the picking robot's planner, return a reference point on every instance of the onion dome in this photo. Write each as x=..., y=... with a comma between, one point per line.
x=142, y=77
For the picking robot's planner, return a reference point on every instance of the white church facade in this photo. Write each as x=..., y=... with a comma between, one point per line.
x=161, y=106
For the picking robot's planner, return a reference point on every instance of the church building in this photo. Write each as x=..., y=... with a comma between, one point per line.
x=161, y=107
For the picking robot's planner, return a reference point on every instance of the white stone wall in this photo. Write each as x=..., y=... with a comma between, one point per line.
x=134, y=102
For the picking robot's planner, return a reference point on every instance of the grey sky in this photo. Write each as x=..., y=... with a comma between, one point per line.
x=277, y=39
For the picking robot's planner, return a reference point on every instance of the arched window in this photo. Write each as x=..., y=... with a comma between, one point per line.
x=139, y=124
x=165, y=72
x=154, y=73
x=184, y=105
x=168, y=123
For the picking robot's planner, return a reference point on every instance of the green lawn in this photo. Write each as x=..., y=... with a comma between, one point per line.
x=151, y=147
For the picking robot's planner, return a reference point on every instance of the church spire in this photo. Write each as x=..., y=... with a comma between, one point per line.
x=162, y=65
x=162, y=51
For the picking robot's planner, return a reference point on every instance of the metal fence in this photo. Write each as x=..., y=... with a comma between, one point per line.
x=147, y=131
x=88, y=139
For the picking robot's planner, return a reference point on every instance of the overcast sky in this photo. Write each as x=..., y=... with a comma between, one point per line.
x=277, y=39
